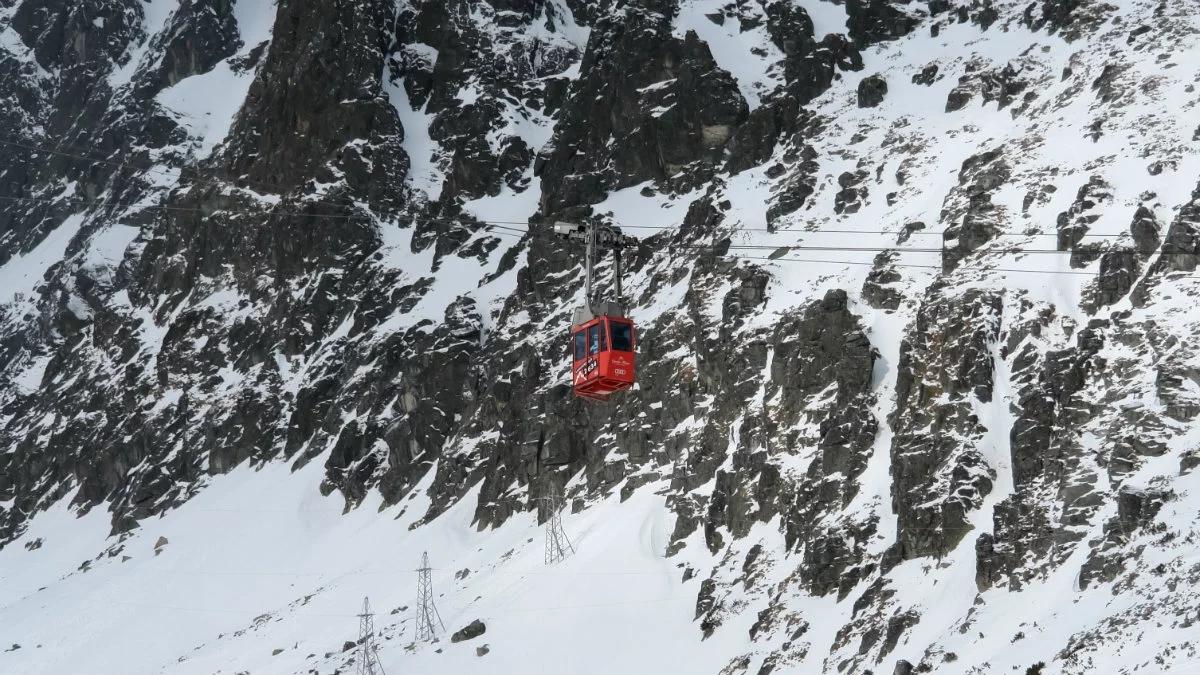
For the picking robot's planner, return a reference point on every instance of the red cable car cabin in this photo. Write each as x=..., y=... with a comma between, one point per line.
x=602, y=360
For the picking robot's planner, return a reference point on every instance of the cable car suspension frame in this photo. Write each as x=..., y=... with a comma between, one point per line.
x=602, y=336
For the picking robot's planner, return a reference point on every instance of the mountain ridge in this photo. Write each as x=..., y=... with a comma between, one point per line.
x=312, y=242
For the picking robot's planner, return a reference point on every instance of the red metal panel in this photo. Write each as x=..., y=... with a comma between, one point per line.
x=598, y=376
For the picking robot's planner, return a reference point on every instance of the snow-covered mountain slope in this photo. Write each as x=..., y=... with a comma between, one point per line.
x=280, y=310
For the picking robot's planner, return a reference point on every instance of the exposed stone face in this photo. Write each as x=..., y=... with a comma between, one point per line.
x=1118, y=271
x=1073, y=224
x=1180, y=250
x=1045, y=453
x=945, y=372
x=1136, y=511
x=853, y=192
x=655, y=127
x=927, y=76
x=871, y=91
x=469, y=632
x=206, y=33
x=320, y=79
x=1003, y=85
x=875, y=20
x=878, y=290
x=1146, y=232
x=810, y=64
x=797, y=187
x=821, y=369
x=821, y=351
x=755, y=141
x=1070, y=18
x=970, y=216
x=1121, y=266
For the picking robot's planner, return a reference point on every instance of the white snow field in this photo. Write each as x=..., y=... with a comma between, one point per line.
x=259, y=562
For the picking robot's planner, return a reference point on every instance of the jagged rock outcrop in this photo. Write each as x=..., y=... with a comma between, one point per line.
x=314, y=241
x=469, y=632
x=1179, y=251
x=970, y=216
x=675, y=111
x=874, y=20
x=1073, y=224
x=871, y=91
x=1045, y=452
x=1136, y=510
x=945, y=373
x=879, y=289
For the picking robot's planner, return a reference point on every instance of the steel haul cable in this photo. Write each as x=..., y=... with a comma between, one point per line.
x=515, y=228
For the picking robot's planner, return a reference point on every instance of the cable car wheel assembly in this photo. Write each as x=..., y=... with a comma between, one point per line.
x=602, y=336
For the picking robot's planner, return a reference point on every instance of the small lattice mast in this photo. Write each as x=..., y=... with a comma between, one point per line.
x=428, y=620
x=558, y=546
x=366, y=661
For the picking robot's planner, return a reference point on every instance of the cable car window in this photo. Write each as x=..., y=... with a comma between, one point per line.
x=622, y=337
x=594, y=339
x=580, y=346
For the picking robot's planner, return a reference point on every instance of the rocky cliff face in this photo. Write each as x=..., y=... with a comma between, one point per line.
x=913, y=292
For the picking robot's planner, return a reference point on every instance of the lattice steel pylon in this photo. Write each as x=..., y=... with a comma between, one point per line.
x=426, y=630
x=558, y=546
x=366, y=660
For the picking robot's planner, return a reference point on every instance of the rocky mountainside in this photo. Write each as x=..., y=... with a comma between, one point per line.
x=281, y=307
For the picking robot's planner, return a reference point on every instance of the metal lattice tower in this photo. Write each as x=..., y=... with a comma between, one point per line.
x=558, y=546
x=366, y=660
x=427, y=613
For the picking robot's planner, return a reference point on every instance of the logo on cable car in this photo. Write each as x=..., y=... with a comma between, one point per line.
x=586, y=369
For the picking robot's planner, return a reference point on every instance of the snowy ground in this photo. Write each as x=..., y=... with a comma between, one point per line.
x=259, y=561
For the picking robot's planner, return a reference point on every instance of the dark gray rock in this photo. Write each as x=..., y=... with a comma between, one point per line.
x=877, y=290
x=654, y=102
x=1002, y=85
x=959, y=97
x=1136, y=511
x=971, y=218
x=853, y=192
x=938, y=473
x=878, y=20
x=1073, y=224
x=800, y=184
x=1070, y=18
x=927, y=76
x=909, y=229
x=1045, y=452
x=871, y=91
x=896, y=627
x=810, y=65
x=469, y=632
x=1118, y=272
x=1145, y=229
x=754, y=141
x=1119, y=269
